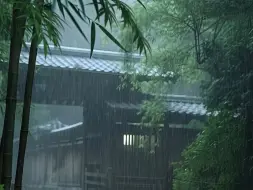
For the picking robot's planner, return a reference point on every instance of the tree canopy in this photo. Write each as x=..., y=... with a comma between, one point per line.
x=211, y=42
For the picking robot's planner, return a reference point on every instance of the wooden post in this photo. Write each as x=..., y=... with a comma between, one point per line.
x=85, y=179
x=46, y=162
x=166, y=149
x=170, y=177
x=82, y=168
x=98, y=178
x=110, y=179
x=37, y=166
x=84, y=147
x=108, y=130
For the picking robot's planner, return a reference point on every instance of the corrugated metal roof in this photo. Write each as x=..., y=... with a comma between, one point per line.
x=190, y=108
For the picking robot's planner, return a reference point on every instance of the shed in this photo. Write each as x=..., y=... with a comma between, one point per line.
x=109, y=147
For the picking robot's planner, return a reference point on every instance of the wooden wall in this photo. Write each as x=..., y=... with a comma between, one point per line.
x=55, y=159
x=61, y=163
x=148, y=153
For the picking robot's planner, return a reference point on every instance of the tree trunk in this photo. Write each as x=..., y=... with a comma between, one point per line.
x=248, y=161
x=247, y=172
x=1, y=156
x=26, y=111
x=18, y=30
x=247, y=182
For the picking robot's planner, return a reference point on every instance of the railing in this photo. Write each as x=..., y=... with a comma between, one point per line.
x=97, y=180
x=107, y=181
x=139, y=183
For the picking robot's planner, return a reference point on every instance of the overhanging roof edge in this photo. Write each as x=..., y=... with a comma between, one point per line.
x=82, y=52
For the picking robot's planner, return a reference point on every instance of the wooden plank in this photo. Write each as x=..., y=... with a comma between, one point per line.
x=85, y=179
x=68, y=185
x=140, y=178
x=90, y=182
x=110, y=180
x=92, y=174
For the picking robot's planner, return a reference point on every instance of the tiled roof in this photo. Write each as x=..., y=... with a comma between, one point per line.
x=53, y=126
x=66, y=127
x=101, y=61
x=174, y=104
x=37, y=131
x=76, y=58
x=74, y=62
x=187, y=108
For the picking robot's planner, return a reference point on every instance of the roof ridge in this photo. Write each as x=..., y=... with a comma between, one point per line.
x=184, y=98
x=82, y=52
x=181, y=98
x=173, y=107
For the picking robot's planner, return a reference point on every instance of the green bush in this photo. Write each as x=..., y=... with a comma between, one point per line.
x=214, y=159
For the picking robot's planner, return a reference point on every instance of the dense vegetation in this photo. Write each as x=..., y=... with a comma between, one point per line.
x=192, y=41
x=211, y=42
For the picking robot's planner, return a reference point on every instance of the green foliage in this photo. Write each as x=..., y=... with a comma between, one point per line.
x=108, y=11
x=48, y=23
x=153, y=111
x=226, y=57
x=5, y=20
x=44, y=24
x=168, y=28
x=171, y=39
x=209, y=41
x=214, y=160
x=195, y=124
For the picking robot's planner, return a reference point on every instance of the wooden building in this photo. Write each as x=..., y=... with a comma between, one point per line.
x=109, y=148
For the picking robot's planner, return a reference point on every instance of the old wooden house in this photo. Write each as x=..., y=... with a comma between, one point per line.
x=108, y=148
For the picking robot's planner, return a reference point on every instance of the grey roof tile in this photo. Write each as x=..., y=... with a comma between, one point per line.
x=187, y=108
x=75, y=62
x=190, y=108
x=101, y=61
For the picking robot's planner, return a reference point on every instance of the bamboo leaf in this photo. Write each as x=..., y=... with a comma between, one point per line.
x=76, y=11
x=93, y=38
x=139, y=1
x=102, y=3
x=95, y=3
x=82, y=6
x=45, y=47
x=53, y=4
x=106, y=18
x=25, y=45
x=75, y=22
x=109, y=35
x=61, y=7
x=135, y=36
x=100, y=13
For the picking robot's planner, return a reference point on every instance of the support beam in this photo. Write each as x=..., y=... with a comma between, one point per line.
x=165, y=147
